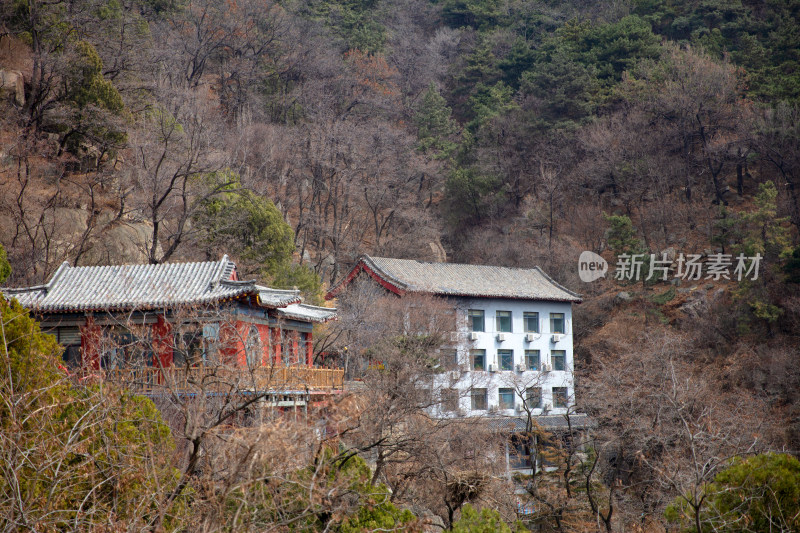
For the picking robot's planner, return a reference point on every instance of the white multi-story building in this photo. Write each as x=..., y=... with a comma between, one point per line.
x=511, y=352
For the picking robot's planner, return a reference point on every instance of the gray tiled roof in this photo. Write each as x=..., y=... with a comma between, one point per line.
x=308, y=313
x=126, y=287
x=276, y=297
x=449, y=279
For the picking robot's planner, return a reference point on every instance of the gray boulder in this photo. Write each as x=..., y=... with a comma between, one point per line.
x=12, y=84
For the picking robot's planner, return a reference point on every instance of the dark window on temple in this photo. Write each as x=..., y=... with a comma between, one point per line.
x=188, y=348
x=253, y=350
x=72, y=356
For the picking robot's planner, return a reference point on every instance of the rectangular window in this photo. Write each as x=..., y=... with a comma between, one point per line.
x=478, y=397
x=448, y=359
x=505, y=398
x=288, y=353
x=188, y=347
x=252, y=347
x=533, y=397
x=531, y=322
x=449, y=400
x=557, y=323
x=121, y=348
x=478, y=358
x=559, y=359
x=476, y=321
x=506, y=358
x=520, y=455
x=503, y=321
x=559, y=396
x=532, y=359
x=69, y=336
x=446, y=320
x=418, y=321
x=210, y=341
x=72, y=356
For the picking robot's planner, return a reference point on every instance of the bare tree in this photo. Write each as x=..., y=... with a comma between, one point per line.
x=400, y=349
x=210, y=376
x=777, y=141
x=172, y=173
x=677, y=430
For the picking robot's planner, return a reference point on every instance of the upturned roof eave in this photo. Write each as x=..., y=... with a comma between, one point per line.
x=365, y=264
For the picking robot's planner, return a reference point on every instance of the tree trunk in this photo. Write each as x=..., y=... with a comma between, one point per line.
x=740, y=170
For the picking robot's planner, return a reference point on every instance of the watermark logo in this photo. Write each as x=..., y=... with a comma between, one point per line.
x=690, y=267
x=591, y=266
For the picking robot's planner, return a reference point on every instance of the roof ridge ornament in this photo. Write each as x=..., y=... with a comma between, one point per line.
x=59, y=271
x=217, y=278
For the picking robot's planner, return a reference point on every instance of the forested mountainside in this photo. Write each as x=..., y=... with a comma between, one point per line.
x=296, y=135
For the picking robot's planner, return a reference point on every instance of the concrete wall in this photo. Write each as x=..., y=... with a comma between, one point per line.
x=516, y=379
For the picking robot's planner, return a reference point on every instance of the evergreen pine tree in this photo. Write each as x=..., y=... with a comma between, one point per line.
x=435, y=127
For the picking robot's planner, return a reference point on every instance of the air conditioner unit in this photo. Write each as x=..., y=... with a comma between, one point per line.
x=501, y=337
x=545, y=367
x=491, y=368
x=521, y=368
x=530, y=337
x=519, y=409
x=473, y=335
x=557, y=337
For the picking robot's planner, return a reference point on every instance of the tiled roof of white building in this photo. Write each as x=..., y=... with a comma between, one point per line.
x=126, y=287
x=450, y=279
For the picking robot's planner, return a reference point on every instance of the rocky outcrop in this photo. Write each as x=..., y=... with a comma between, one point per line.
x=12, y=85
x=110, y=241
x=121, y=242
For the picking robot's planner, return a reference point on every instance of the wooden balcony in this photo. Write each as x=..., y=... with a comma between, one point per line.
x=223, y=379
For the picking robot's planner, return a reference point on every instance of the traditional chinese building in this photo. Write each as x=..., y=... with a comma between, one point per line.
x=513, y=331
x=156, y=319
x=511, y=353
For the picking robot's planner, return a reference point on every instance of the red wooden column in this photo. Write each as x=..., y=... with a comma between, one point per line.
x=309, y=350
x=264, y=335
x=90, y=344
x=295, y=336
x=163, y=343
x=276, y=345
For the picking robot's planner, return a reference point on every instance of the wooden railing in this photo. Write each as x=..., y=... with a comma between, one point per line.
x=226, y=379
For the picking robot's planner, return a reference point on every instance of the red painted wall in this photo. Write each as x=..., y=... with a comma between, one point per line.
x=230, y=343
x=264, y=335
x=232, y=338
